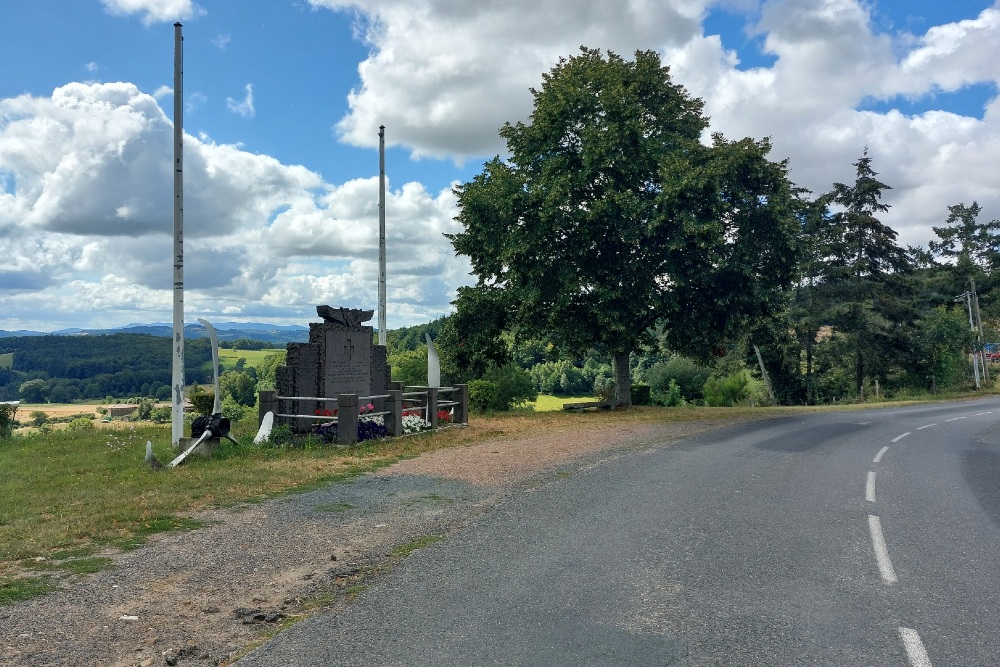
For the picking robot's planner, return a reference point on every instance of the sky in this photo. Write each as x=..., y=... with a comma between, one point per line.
x=283, y=100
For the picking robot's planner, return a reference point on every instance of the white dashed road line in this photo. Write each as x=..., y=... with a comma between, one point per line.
x=915, y=650
x=881, y=552
x=921, y=428
x=870, y=487
x=955, y=419
x=881, y=453
x=900, y=437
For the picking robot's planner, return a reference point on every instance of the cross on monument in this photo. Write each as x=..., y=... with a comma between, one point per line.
x=349, y=350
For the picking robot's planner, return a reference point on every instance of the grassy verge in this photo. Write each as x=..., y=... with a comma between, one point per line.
x=69, y=498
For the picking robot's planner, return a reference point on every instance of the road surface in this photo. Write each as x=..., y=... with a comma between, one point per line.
x=850, y=538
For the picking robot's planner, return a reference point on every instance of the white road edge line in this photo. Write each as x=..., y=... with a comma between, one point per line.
x=870, y=487
x=881, y=452
x=900, y=437
x=881, y=553
x=921, y=428
x=915, y=650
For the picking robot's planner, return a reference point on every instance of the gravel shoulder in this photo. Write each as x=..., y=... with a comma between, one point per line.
x=204, y=597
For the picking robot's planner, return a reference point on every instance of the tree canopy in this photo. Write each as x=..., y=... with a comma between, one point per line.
x=610, y=216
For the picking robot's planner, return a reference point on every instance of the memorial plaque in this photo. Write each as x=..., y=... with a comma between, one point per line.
x=348, y=363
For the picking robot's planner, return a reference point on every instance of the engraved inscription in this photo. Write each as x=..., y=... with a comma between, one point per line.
x=348, y=365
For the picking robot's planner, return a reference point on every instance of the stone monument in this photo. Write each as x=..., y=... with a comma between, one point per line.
x=340, y=358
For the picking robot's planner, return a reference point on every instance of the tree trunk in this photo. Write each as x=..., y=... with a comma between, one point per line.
x=623, y=379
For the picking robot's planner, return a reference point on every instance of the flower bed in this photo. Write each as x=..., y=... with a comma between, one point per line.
x=370, y=427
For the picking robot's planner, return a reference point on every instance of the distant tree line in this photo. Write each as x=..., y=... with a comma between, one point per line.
x=62, y=369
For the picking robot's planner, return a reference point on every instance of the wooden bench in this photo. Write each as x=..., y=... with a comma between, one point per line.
x=588, y=405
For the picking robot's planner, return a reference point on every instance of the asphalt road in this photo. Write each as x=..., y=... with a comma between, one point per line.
x=855, y=538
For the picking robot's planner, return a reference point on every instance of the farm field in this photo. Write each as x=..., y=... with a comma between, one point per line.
x=6, y=360
x=228, y=358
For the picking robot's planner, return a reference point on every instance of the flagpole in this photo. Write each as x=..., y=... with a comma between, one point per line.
x=381, y=235
x=177, y=378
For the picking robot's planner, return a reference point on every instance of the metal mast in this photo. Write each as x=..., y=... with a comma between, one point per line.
x=381, y=234
x=177, y=379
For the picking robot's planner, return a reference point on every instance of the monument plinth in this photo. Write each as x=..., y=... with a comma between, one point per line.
x=340, y=358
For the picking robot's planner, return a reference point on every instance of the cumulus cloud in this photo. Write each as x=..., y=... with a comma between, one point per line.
x=445, y=75
x=86, y=214
x=87, y=165
x=155, y=11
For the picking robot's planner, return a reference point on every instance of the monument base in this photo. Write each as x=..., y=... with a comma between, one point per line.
x=206, y=448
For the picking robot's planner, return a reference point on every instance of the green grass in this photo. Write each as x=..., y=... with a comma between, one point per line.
x=73, y=566
x=546, y=403
x=404, y=550
x=6, y=360
x=16, y=589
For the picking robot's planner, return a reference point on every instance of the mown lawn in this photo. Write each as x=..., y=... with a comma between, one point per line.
x=546, y=402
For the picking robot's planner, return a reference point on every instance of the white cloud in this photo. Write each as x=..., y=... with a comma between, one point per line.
x=445, y=75
x=155, y=11
x=243, y=107
x=221, y=41
x=85, y=175
x=86, y=218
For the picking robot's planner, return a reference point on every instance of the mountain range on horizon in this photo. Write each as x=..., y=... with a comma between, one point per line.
x=272, y=333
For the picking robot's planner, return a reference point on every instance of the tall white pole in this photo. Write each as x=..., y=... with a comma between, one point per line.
x=177, y=380
x=381, y=235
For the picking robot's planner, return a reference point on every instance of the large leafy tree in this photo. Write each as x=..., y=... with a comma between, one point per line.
x=610, y=215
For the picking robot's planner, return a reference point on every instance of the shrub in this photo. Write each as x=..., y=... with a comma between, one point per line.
x=507, y=387
x=81, y=424
x=38, y=418
x=639, y=394
x=483, y=395
x=673, y=397
x=688, y=375
x=731, y=390
x=7, y=421
x=203, y=401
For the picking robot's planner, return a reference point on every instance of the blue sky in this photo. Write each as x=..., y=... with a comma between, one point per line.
x=284, y=98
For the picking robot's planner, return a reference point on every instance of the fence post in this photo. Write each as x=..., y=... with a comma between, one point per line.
x=397, y=386
x=461, y=396
x=394, y=408
x=268, y=403
x=347, y=419
x=432, y=406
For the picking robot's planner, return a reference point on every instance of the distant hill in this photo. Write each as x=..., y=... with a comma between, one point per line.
x=271, y=333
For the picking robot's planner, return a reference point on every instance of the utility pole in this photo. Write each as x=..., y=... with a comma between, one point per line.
x=763, y=374
x=975, y=356
x=979, y=327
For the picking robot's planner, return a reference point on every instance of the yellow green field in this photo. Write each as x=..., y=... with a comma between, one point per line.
x=546, y=403
x=6, y=360
x=228, y=358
